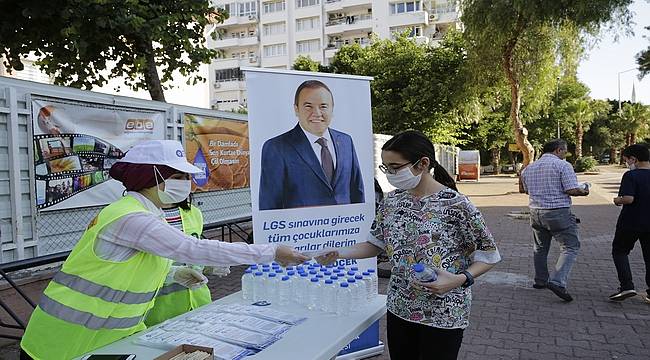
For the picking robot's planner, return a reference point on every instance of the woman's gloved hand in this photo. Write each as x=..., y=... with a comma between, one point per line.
x=189, y=278
x=216, y=270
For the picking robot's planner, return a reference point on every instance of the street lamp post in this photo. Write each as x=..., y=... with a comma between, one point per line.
x=557, y=118
x=619, y=85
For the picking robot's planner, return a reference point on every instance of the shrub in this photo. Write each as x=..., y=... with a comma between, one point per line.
x=586, y=163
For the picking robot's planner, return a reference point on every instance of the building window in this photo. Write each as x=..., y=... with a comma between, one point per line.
x=404, y=7
x=275, y=50
x=412, y=31
x=277, y=28
x=307, y=24
x=223, y=75
x=303, y=3
x=274, y=6
x=230, y=8
x=448, y=6
x=248, y=8
x=308, y=46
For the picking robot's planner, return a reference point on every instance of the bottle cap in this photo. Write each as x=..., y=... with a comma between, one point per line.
x=289, y=268
x=334, y=277
x=253, y=267
x=314, y=279
x=417, y=267
x=354, y=268
x=266, y=265
x=365, y=273
x=358, y=277
x=303, y=274
x=259, y=273
x=285, y=278
x=313, y=272
x=350, y=273
x=351, y=280
x=248, y=271
x=328, y=273
x=320, y=276
x=266, y=270
x=279, y=271
x=344, y=284
x=328, y=281
x=291, y=273
x=271, y=275
x=371, y=270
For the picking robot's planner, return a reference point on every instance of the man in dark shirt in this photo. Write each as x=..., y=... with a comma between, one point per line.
x=633, y=224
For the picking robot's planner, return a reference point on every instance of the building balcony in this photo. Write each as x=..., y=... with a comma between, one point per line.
x=443, y=17
x=411, y=18
x=233, y=85
x=236, y=42
x=340, y=5
x=349, y=23
x=235, y=63
x=273, y=17
x=275, y=61
x=238, y=20
x=333, y=47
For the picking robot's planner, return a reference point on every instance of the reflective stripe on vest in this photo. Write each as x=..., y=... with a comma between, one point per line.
x=171, y=288
x=106, y=293
x=83, y=318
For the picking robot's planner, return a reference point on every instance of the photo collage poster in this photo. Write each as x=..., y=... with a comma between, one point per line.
x=75, y=145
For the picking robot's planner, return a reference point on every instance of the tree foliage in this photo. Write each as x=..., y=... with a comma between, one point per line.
x=643, y=59
x=520, y=41
x=415, y=86
x=83, y=43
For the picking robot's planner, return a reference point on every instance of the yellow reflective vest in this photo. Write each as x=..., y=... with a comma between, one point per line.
x=93, y=302
x=175, y=299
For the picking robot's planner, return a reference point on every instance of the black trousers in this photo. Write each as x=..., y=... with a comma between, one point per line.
x=623, y=243
x=24, y=355
x=412, y=341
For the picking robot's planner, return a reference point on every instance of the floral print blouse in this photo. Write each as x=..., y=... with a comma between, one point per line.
x=443, y=230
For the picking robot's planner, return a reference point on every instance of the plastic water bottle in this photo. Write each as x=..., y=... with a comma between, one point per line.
x=284, y=291
x=271, y=286
x=355, y=300
x=247, y=285
x=368, y=281
x=375, y=282
x=314, y=294
x=423, y=273
x=343, y=295
x=328, y=299
x=300, y=289
x=363, y=289
x=258, y=286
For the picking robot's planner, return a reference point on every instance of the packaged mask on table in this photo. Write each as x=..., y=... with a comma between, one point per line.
x=237, y=336
x=253, y=323
x=274, y=315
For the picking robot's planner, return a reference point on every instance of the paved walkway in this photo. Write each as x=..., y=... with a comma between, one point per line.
x=510, y=320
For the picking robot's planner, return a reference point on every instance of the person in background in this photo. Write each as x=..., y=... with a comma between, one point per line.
x=426, y=220
x=550, y=182
x=632, y=224
x=176, y=298
x=108, y=282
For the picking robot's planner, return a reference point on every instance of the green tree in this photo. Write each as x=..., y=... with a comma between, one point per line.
x=305, y=63
x=636, y=121
x=643, y=59
x=581, y=113
x=520, y=41
x=76, y=41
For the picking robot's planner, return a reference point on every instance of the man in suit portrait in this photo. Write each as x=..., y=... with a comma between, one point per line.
x=311, y=164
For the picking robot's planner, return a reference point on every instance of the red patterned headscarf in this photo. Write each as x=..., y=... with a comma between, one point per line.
x=136, y=177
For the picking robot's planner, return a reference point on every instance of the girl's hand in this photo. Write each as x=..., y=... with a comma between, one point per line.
x=445, y=282
x=328, y=258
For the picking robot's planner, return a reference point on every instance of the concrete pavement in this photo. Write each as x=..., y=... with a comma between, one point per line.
x=510, y=320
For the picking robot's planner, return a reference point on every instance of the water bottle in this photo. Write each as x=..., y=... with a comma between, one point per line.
x=271, y=286
x=422, y=273
x=300, y=268
x=300, y=288
x=258, y=286
x=363, y=290
x=343, y=296
x=368, y=281
x=328, y=298
x=375, y=282
x=284, y=291
x=314, y=294
x=355, y=300
x=247, y=285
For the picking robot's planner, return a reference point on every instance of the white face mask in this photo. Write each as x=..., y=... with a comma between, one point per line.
x=176, y=190
x=631, y=166
x=404, y=179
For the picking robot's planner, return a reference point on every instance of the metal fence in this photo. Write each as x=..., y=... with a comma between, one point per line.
x=26, y=232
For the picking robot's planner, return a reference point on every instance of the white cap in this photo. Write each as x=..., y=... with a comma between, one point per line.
x=160, y=152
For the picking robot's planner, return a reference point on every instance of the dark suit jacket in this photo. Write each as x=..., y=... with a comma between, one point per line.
x=293, y=177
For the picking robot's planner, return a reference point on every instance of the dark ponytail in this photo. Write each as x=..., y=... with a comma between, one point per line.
x=414, y=145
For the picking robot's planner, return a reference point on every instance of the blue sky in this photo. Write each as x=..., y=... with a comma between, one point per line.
x=609, y=57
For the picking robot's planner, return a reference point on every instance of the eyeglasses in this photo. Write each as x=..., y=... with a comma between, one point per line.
x=394, y=169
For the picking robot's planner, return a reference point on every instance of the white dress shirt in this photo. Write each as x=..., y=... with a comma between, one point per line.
x=316, y=146
x=148, y=232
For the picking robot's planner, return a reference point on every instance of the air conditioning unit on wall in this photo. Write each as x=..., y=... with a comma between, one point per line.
x=432, y=17
x=216, y=85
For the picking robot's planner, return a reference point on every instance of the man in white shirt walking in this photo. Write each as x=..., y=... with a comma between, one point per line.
x=550, y=182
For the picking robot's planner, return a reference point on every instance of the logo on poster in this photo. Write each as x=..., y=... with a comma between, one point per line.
x=139, y=126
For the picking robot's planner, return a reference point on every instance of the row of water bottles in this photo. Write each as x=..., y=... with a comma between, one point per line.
x=332, y=289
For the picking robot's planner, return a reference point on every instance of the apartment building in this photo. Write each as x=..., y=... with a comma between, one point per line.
x=273, y=33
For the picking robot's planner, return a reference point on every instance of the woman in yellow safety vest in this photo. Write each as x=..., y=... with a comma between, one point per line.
x=174, y=299
x=110, y=279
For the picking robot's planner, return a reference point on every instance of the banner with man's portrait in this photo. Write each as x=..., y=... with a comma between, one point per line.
x=75, y=145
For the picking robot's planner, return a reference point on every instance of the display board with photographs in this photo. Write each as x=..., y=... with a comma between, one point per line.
x=67, y=164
